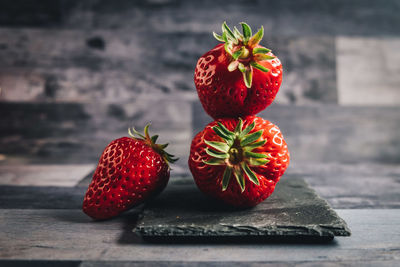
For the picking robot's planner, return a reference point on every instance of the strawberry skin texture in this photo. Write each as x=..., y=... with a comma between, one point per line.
x=208, y=178
x=129, y=172
x=224, y=93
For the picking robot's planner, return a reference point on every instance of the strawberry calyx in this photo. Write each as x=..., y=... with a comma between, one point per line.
x=151, y=141
x=236, y=153
x=243, y=50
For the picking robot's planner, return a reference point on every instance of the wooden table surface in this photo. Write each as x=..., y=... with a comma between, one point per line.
x=76, y=74
x=45, y=225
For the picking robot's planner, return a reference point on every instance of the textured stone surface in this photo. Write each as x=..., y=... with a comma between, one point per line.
x=293, y=210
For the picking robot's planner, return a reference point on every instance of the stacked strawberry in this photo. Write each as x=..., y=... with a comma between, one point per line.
x=238, y=158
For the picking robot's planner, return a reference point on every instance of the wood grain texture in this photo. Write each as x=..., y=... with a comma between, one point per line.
x=70, y=235
x=331, y=133
x=43, y=197
x=354, y=17
x=352, y=186
x=44, y=175
x=78, y=133
x=115, y=65
x=344, y=186
x=76, y=74
x=45, y=263
x=70, y=68
x=238, y=264
x=365, y=82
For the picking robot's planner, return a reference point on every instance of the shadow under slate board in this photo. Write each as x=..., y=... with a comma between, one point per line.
x=294, y=212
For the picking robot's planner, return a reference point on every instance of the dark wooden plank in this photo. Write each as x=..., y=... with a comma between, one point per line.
x=346, y=17
x=46, y=13
x=304, y=17
x=78, y=132
x=42, y=120
x=43, y=197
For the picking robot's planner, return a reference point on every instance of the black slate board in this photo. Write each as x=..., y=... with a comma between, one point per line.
x=294, y=211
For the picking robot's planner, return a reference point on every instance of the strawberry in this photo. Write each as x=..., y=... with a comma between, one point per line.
x=238, y=77
x=251, y=150
x=130, y=171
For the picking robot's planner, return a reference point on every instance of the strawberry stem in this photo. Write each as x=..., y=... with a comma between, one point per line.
x=244, y=51
x=235, y=152
x=151, y=141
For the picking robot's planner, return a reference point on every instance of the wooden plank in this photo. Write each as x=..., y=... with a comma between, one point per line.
x=349, y=186
x=78, y=133
x=40, y=263
x=43, y=197
x=237, y=264
x=173, y=15
x=71, y=235
x=25, y=13
x=51, y=64
x=44, y=175
x=45, y=263
x=332, y=133
x=309, y=66
x=342, y=185
x=362, y=82
x=66, y=67
x=351, y=18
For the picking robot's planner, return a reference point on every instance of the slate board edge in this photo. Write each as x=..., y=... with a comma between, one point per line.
x=238, y=231
x=338, y=229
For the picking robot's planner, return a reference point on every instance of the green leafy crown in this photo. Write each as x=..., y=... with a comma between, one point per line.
x=241, y=46
x=151, y=141
x=236, y=153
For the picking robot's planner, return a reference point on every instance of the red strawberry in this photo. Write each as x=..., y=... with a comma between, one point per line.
x=239, y=77
x=252, y=151
x=130, y=171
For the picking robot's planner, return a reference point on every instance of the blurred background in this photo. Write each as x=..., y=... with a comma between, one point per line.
x=74, y=75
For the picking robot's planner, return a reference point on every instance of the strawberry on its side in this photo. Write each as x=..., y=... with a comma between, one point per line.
x=130, y=171
x=239, y=161
x=239, y=77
